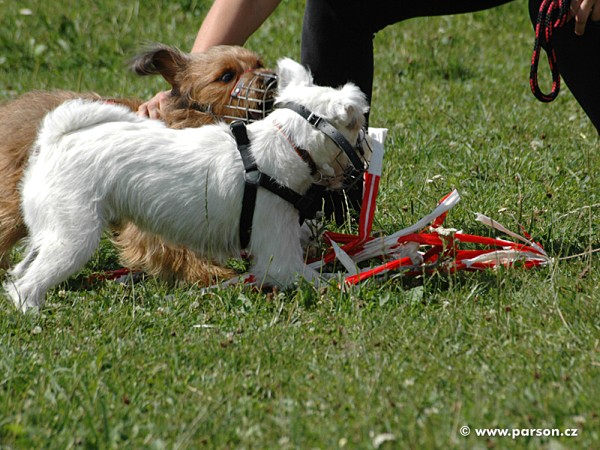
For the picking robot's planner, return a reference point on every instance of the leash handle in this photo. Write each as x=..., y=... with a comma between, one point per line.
x=553, y=14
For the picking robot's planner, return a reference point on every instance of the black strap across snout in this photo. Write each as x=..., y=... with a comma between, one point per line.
x=253, y=178
x=321, y=124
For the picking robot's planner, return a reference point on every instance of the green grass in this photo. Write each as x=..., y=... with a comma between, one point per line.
x=149, y=366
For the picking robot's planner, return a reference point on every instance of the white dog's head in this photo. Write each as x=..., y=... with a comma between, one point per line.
x=340, y=112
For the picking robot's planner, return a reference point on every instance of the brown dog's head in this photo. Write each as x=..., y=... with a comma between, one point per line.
x=223, y=83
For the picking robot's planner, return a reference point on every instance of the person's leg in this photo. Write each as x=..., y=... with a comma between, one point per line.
x=337, y=35
x=578, y=60
x=337, y=46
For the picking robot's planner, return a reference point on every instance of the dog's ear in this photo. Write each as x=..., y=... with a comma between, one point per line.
x=351, y=106
x=163, y=60
x=290, y=72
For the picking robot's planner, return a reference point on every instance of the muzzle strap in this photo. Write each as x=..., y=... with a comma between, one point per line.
x=323, y=125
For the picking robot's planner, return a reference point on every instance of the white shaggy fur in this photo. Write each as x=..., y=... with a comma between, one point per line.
x=94, y=164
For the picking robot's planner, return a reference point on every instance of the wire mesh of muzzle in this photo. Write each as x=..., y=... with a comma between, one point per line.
x=351, y=174
x=252, y=99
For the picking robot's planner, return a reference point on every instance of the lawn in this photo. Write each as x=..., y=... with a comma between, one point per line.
x=393, y=363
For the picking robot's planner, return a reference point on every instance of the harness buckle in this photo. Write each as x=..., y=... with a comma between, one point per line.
x=314, y=119
x=253, y=177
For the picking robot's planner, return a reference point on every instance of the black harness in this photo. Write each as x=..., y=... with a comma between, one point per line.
x=253, y=178
x=307, y=204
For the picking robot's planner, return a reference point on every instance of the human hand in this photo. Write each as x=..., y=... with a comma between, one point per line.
x=583, y=10
x=152, y=107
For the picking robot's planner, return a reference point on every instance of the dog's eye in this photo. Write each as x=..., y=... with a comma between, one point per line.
x=227, y=77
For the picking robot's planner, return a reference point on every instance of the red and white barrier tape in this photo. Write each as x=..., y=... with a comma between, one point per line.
x=423, y=247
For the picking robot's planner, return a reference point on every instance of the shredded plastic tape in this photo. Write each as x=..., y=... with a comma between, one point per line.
x=425, y=246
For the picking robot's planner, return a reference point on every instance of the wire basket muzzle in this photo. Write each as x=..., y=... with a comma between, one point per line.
x=253, y=96
x=354, y=174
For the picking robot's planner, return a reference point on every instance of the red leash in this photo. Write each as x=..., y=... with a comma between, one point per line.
x=552, y=15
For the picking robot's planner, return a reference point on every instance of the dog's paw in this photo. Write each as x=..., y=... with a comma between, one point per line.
x=21, y=303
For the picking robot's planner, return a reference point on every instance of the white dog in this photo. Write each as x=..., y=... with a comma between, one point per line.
x=95, y=164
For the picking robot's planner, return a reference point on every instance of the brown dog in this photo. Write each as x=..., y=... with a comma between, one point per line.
x=222, y=83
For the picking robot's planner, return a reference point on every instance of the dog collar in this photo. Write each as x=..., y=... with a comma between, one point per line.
x=323, y=125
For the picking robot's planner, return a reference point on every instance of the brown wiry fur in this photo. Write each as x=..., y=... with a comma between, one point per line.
x=193, y=78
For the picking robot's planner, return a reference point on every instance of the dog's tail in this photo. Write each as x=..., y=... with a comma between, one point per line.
x=74, y=115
